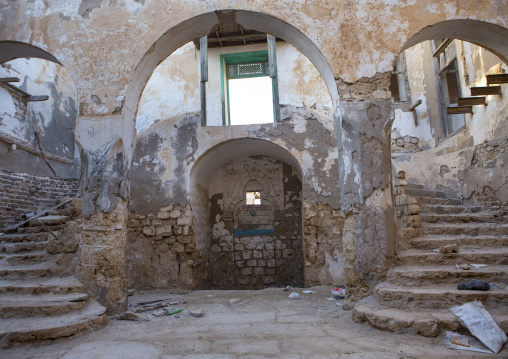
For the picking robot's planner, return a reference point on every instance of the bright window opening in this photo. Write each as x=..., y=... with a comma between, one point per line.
x=247, y=88
x=253, y=198
x=250, y=101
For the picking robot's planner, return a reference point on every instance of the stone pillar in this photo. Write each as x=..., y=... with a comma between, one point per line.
x=366, y=198
x=104, y=194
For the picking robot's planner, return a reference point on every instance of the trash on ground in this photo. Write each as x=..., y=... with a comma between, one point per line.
x=176, y=311
x=338, y=291
x=450, y=248
x=476, y=266
x=463, y=266
x=196, y=313
x=233, y=300
x=474, y=284
x=497, y=286
x=464, y=342
x=288, y=288
x=309, y=291
x=294, y=295
x=480, y=323
x=339, y=305
x=129, y=316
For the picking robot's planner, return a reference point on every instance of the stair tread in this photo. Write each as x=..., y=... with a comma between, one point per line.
x=438, y=289
x=28, y=300
x=462, y=250
x=24, y=237
x=474, y=224
x=41, y=282
x=33, y=325
x=450, y=268
x=369, y=304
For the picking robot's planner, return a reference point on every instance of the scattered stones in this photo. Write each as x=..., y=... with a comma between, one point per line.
x=196, y=313
x=474, y=284
x=131, y=292
x=465, y=266
x=233, y=300
x=294, y=295
x=288, y=288
x=451, y=248
x=129, y=316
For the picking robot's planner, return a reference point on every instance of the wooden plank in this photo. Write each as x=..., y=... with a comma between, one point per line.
x=459, y=110
x=471, y=101
x=485, y=91
x=239, y=38
x=37, y=98
x=497, y=79
x=272, y=69
x=203, y=63
x=16, y=89
x=9, y=79
x=415, y=105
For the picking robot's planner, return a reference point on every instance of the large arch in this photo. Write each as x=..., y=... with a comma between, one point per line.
x=11, y=50
x=490, y=36
x=199, y=26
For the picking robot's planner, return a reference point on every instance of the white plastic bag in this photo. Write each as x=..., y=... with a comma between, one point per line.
x=480, y=323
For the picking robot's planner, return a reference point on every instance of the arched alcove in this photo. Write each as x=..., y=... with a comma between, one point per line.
x=249, y=245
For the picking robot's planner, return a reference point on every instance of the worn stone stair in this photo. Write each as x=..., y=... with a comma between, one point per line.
x=39, y=298
x=422, y=287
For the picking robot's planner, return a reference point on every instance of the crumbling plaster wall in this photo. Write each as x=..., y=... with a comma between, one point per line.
x=173, y=89
x=448, y=164
x=161, y=174
x=103, y=52
x=54, y=120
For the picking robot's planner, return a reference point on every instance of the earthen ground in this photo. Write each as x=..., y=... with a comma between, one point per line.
x=263, y=324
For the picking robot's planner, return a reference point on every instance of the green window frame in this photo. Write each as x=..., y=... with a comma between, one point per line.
x=241, y=66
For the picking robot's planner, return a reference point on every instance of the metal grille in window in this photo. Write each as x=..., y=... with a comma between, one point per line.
x=252, y=69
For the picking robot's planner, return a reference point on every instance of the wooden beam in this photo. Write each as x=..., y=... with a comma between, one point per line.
x=238, y=38
x=272, y=68
x=16, y=89
x=485, y=90
x=459, y=110
x=472, y=101
x=203, y=63
x=9, y=79
x=497, y=79
x=37, y=98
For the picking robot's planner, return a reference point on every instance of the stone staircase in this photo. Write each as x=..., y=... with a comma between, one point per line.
x=39, y=297
x=422, y=286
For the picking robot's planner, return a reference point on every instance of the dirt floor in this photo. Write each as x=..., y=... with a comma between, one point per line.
x=260, y=324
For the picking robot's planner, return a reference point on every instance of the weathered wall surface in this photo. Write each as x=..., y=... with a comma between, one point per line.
x=160, y=174
x=173, y=89
x=471, y=173
x=54, y=120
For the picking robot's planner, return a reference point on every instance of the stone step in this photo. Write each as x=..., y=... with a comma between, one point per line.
x=448, y=209
x=426, y=322
x=413, y=185
x=24, y=237
x=420, y=192
x=43, y=269
x=24, y=330
x=411, y=276
x=466, y=254
x=28, y=305
x=49, y=220
x=20, y=247
x=44, y=285
x=23, y=258
x=435, y=296
x=432, y=241
x=469, y=229
x=41, y=229
x=439, y=201
x=461, y=218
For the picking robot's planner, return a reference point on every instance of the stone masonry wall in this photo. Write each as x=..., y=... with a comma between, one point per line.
x=21, y=194
x=323, y=227
x=407, y=213
x=161, y=250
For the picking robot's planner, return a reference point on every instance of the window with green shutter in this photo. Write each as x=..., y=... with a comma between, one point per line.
x=247, y=89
